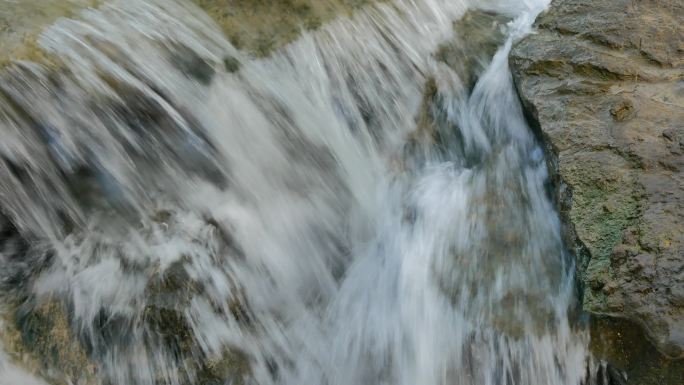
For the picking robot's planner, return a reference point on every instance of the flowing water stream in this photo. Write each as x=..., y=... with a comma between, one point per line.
x=350, y=210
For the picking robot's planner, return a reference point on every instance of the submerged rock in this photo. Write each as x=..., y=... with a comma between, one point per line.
x=478, y=35
x=51, y=338
x=603, y=84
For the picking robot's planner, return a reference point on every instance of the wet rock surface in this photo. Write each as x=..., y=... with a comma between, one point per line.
x=603, y=82
x=21, y=22
x=45, y=334
x=630, y=357
x=260, y=26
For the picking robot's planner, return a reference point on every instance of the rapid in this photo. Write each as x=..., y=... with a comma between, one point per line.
x=349, y=210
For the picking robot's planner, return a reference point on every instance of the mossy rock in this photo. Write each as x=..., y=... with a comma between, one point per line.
x=41, y=335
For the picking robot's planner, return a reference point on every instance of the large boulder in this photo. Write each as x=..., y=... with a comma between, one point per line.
x=602, y=83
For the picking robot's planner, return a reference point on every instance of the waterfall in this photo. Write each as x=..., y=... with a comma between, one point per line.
x=349, y=210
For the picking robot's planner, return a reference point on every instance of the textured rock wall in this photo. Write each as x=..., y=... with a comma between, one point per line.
x=603, y=82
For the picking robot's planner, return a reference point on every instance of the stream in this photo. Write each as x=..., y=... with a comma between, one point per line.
x=367, y=205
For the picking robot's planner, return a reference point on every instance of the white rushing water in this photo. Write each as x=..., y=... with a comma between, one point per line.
x=287, y=210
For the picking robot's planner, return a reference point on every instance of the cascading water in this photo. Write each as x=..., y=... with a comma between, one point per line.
x=347, y=211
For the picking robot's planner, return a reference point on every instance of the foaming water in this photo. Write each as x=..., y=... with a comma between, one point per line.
x=288, y=222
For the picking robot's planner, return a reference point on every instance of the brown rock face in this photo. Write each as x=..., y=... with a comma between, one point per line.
x=603, y=81
x=261, y=26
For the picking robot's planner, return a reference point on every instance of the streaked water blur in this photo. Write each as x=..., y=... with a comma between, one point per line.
x=350, y=210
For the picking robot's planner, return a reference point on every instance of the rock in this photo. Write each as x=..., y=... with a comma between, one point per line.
x=231, y=64
x=51, y=339
x=41, y=336
x=629, y=358
x=478, y=36
x=622, y=110
x=231, y=366
x=21, y=22
x=169, y=295
x=260, y=26
x=602, y=84
x=191, y=64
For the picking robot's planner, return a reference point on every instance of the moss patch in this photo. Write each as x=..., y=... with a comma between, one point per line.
x=605, y=203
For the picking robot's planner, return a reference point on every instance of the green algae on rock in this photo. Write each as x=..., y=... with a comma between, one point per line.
x=603, y=84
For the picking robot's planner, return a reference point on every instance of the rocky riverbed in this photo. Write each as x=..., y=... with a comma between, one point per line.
x=603, y=83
